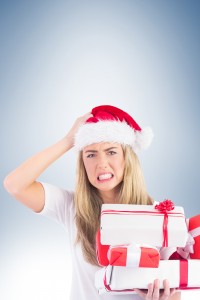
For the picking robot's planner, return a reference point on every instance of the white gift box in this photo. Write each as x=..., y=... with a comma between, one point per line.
x=126, y=223
x=99, y=283
x=181, y=274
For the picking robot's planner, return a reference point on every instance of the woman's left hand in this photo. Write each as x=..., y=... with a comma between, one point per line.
x=154, y=292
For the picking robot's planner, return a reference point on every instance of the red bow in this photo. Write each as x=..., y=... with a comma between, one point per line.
x=164, y=207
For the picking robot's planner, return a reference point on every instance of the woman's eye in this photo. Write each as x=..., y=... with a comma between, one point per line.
x=90, y=155
x=111, y=152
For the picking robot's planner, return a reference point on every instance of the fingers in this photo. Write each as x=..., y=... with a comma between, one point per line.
x=142, y=293
x=147, y=294
x=79, y=122
x=153, y=290
x=154, y=293
x=166, y=292
x=87, y=116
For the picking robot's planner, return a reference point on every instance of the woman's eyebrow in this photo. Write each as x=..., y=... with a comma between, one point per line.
x=94, y=151
x=110, y=148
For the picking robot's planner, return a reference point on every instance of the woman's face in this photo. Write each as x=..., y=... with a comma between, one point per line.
x=104, y=164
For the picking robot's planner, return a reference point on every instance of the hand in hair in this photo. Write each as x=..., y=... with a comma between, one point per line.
x=79, y=121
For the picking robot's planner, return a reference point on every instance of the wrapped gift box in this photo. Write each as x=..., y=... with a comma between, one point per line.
x=101, y=251
x=102, y=289
x=142, y=224
x=182, y=274
x=194, y=231
x=192, y=248
x=133, y=256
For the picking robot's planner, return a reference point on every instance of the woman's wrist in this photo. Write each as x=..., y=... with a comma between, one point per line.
x=67, y=142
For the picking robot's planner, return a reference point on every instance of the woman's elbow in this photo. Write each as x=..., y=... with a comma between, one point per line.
x=10, y=186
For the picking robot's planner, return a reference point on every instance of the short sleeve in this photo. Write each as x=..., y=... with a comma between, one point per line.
x=59, y=204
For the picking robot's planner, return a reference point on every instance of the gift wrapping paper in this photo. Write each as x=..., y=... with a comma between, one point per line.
x=194, y=231
x=192, y=247
x=182, y=274
x=101, y=251
x=142, y=224
x=133, y=256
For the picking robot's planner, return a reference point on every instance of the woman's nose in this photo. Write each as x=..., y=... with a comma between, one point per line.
x=102, y=162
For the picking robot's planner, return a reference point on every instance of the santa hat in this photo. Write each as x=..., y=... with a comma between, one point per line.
x=111, y=124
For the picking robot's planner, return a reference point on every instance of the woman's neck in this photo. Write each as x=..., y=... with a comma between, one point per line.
x=109, y=197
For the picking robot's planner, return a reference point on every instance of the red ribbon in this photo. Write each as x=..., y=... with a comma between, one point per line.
x=183, y=274
x=107, y=286
x=165, y=207
x=105, y=283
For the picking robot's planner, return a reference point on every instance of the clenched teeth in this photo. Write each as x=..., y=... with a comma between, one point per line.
x=105, y=176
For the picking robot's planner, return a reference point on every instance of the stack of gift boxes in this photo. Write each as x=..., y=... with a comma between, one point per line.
x=139, y=243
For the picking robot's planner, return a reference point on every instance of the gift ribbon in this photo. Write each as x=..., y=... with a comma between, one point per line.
x=195, y=232
x=183, y=274
x=189, y=248
x=133, y=254
x=105, y=283
x=165, y=207
x=165, y=231
x=141, y=212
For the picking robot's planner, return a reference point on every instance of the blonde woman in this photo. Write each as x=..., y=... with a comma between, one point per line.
x=108, y=171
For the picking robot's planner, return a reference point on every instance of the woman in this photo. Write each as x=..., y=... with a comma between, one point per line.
x=108, y=172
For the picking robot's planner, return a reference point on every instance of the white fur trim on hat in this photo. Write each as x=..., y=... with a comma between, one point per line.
x=114, y=132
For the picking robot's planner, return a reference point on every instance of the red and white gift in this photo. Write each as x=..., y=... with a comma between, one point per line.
x=124, y=255
x=182, y=274
x=161, y=225
x=134, y=256
x=192, y=248
x=101, y=251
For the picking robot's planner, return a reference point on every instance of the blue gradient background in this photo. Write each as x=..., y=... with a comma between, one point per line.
x=60, y=59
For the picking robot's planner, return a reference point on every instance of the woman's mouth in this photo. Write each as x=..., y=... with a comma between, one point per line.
x=105, y=176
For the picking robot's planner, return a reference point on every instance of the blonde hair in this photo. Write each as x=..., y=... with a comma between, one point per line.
x=88, y=203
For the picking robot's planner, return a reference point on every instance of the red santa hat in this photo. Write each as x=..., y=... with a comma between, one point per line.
x=111, y=124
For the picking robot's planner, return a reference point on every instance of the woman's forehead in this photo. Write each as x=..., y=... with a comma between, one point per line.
x=102, y=146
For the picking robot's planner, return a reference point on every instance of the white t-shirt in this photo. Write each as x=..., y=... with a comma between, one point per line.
x=59, y=206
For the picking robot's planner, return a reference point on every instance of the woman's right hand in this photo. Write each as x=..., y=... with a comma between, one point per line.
x=79, y=122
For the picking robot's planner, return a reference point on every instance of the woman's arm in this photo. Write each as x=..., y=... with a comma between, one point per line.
x=21, y=183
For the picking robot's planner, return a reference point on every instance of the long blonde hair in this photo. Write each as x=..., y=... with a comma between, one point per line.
x=88, y=203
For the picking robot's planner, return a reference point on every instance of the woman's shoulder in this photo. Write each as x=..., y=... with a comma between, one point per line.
x=59, y=203
x=57, y=198
x=54, y=191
